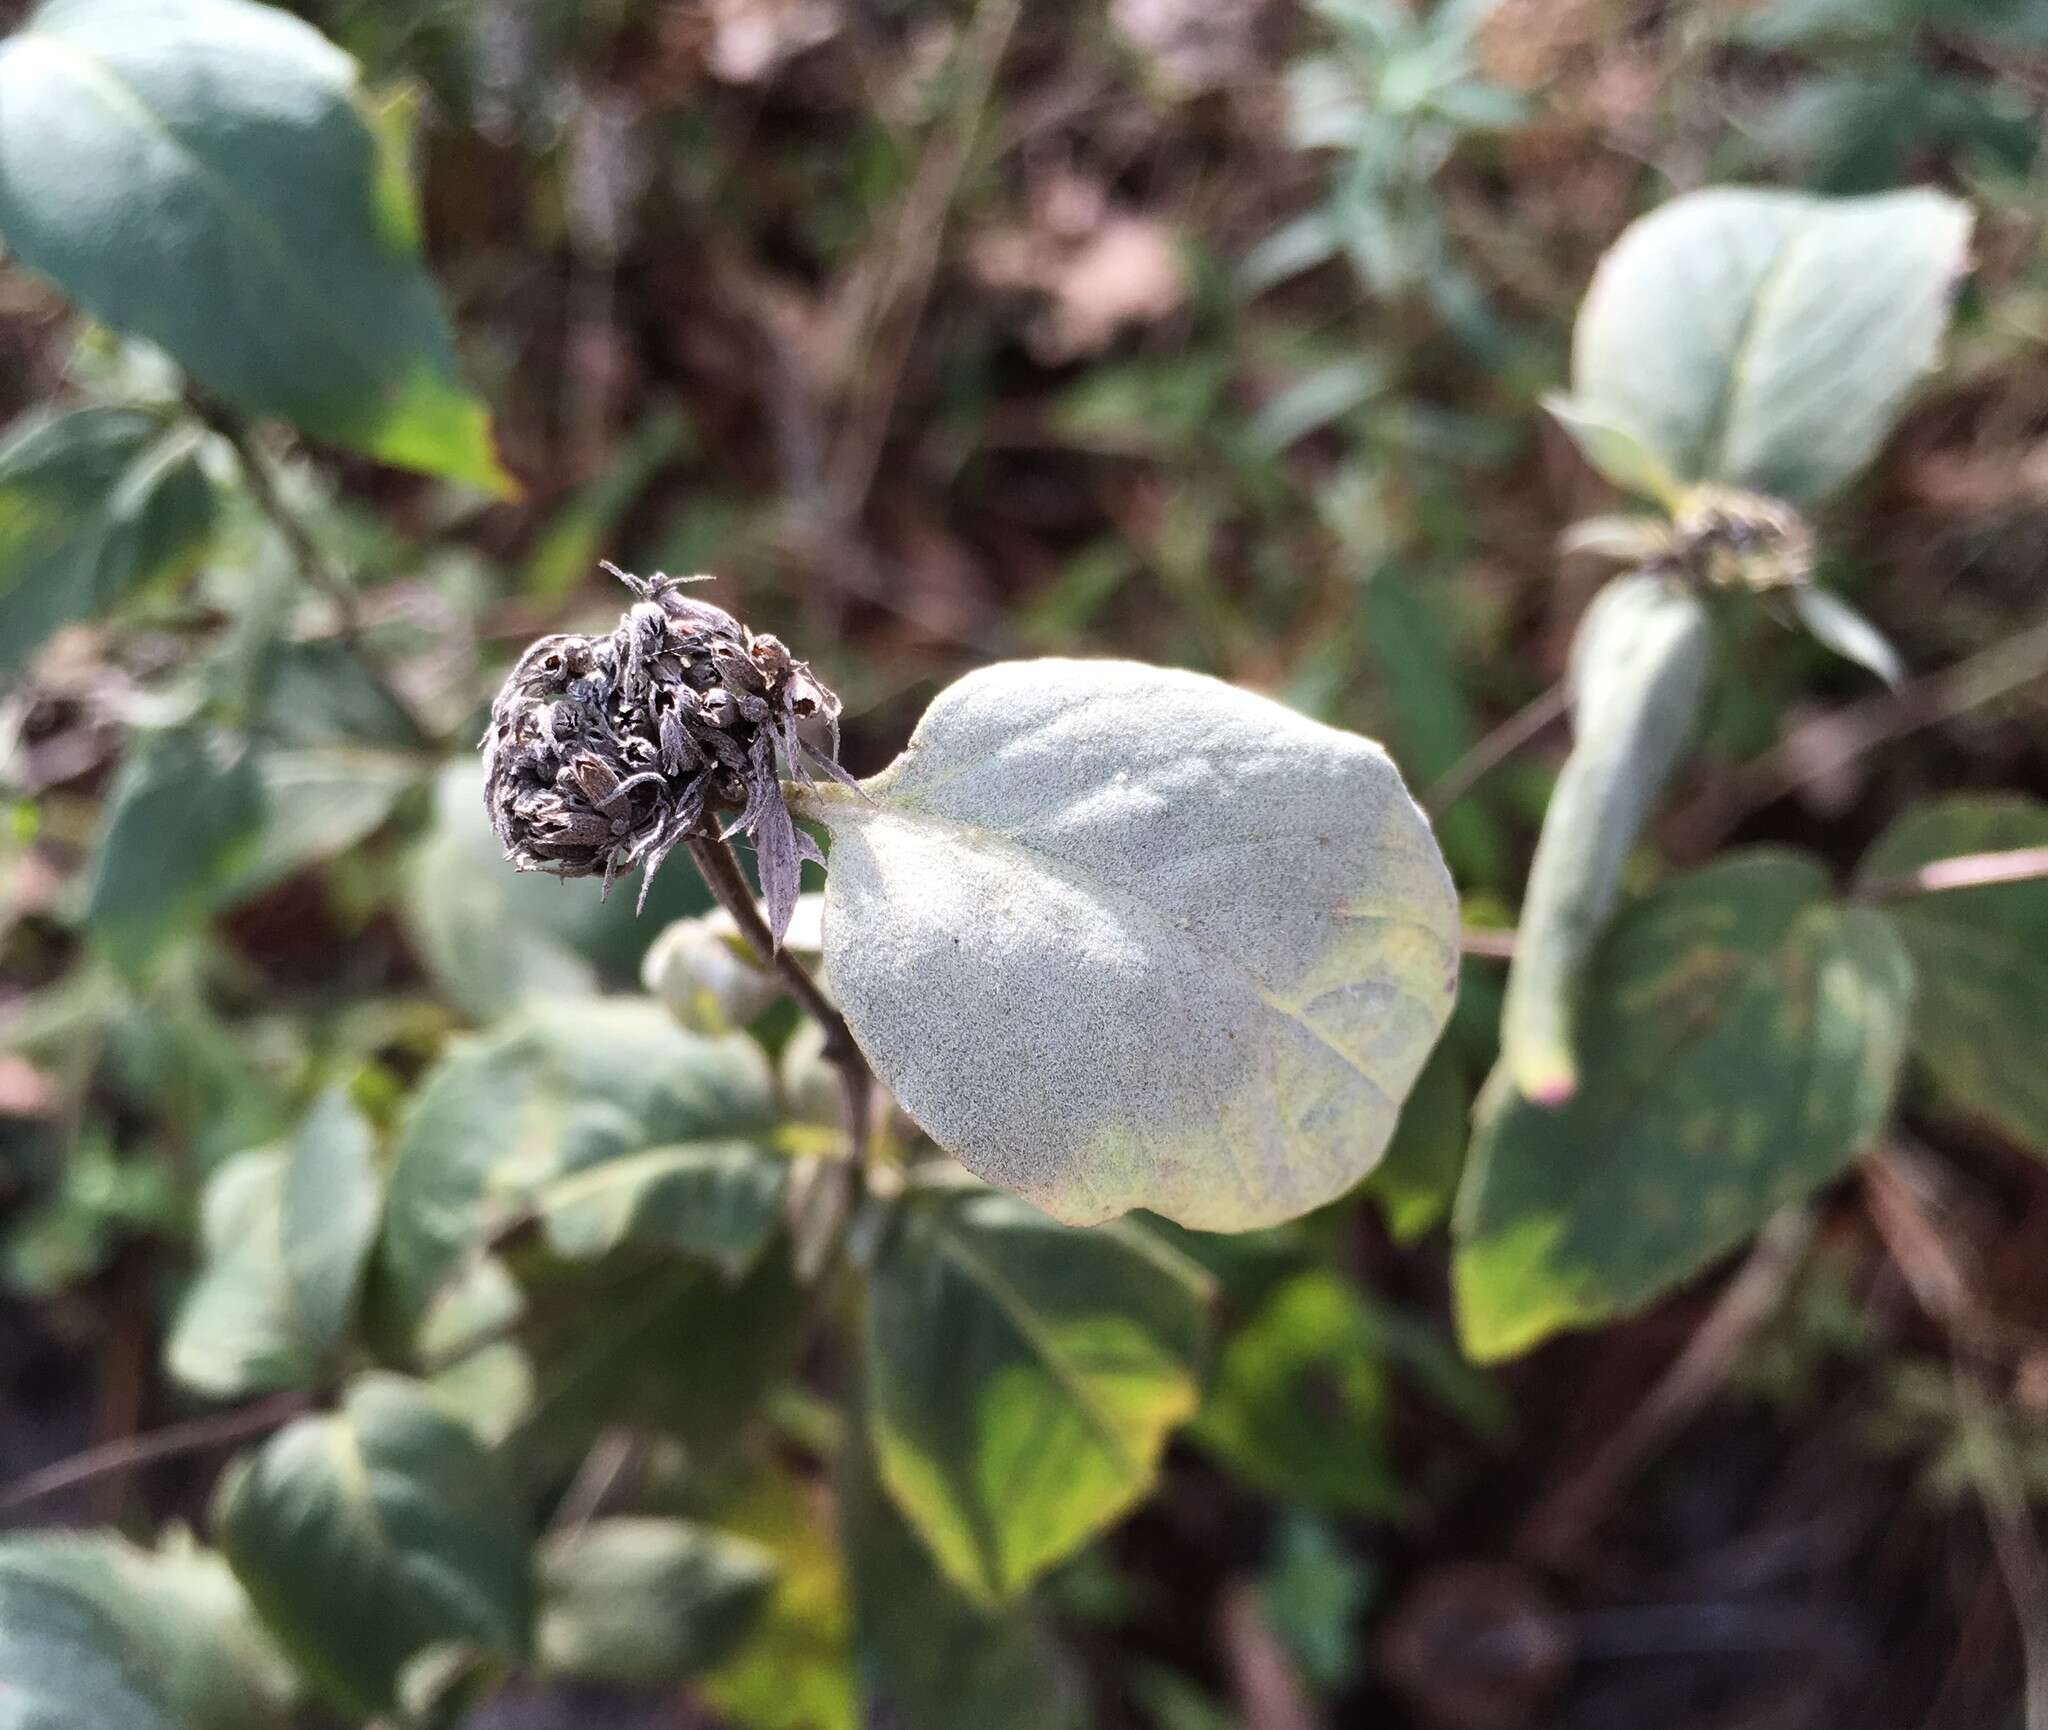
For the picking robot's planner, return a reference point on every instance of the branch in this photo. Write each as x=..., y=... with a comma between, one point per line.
x=722, y=874
x=1522, y=727
x=194, y=1436
x=1964, y=871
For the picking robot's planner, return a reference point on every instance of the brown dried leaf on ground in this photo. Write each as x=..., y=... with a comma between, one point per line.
x=750, y=39
x=1125, y=270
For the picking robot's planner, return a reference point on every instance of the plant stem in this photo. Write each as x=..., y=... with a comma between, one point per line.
x=192, y=1437
x=722, y=874
x=312, y=565
x=1964, y=871
x=1519, y=729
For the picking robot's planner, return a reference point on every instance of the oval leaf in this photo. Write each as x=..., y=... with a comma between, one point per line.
x=367, y=1535
x=1768, y=339
x=1982, y=955
x=1121, y=937
x=95, y=1633
x=1023, y=1378
x=1743, y=1036
x=606, y=1118
x=1640, y=666
x=1838, y=626
x=207, y=174
x=330, y=1208
x=238, y=1331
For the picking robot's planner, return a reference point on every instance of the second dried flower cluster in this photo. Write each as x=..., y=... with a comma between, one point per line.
x=608, y=752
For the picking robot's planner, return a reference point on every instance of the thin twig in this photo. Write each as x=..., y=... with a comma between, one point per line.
x=194, y=1436
x=722, y=874
x=1825, y=747
x=1487, y=943
x=1964, y=871
x=307, y=558
x=1524, y=726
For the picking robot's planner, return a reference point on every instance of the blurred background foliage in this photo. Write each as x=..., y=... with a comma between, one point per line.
x=1210, y=332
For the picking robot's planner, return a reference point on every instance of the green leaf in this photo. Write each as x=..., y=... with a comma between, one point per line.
x=647, y=1339
x=205, y=173
x=935, y=1656
x=1982, y=957
x=369, y=1534
x=330, y=1211
x=1121, y=937
x=647, y=1603
x=1300, y=1402
x=316, y=805
x=1639, y=670
x=1838, y=626
x=1414, y=1184
x=1620, y=454
x=534, y=1115
x=95, y=1633
x=1768, y=339
x=718, y=1201
x=237, y=1332
x=1742, y=1039
x=67, y=1662
x=796, y=1670
x=285, y=1236
x=94, y=504
x=181, y=825
x=1023, y=1378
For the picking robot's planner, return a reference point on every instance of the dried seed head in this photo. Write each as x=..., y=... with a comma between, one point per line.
x=604, y=753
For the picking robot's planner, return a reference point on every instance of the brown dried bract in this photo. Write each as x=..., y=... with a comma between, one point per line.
x=604, y=753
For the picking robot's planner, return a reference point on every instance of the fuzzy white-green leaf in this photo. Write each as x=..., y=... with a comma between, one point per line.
x=1641, y=663
x=1123, y=937
x=1767, y=339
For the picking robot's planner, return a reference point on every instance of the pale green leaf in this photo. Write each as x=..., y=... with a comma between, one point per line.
x=1023, y=1377
x=543, y=1106
x=1982, y=957
x=204, y=173
x=1640, y=667
x=1769, y=339
x=236, y=1332
x=1838, y=626
x=368, y=1534
x=94, y=504
x=329, y=1219
x=1742, y=1037
x=318, y=804
x=1121, y=937
x=95, y=1633
x=181, y=825
x=647, y=1603
x=1620, y=454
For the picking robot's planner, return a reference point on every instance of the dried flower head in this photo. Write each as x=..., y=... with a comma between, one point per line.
x=608, y=752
